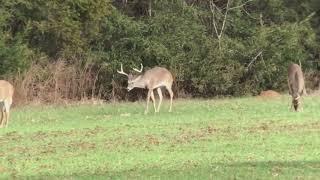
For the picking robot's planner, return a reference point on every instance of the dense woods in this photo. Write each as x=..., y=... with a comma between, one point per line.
x=71, y=49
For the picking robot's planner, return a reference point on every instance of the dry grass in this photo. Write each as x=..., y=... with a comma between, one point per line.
x=57, y=82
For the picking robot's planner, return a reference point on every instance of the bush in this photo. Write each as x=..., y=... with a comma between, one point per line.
x=15, y=56
x=258, y=42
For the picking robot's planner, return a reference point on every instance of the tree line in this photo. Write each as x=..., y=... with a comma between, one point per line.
x=213, y=47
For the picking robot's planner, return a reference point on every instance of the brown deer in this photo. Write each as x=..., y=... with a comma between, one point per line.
x=296, y=84
x=154, y=78
x=6, y=93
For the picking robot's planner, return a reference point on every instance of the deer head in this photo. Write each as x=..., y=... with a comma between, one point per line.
x=133, y=80
x=295, y=103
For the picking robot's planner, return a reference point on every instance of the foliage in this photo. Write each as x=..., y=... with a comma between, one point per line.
x=211, y=47
x=15, y=56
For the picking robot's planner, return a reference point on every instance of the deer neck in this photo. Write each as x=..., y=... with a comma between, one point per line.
x=140, y=83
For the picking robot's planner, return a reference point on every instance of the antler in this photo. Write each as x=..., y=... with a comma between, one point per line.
x=121, y=71
x=140, y=68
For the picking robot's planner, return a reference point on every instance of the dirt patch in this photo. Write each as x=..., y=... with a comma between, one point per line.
x=264, y=127
x=3, y=169
x=149, y=141
x=87, y=132
x=19, y=150
x=269, y=94
x=153, y=140
x=10, y=136
x=187, y=136
x=82, y=145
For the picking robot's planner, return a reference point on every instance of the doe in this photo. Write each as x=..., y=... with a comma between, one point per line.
x=296, y=84
x=6, y=94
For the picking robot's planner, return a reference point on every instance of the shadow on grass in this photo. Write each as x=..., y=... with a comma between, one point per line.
x=244, y=170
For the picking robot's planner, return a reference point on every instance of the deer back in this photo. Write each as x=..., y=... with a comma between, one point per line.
x=6, y=90
x=157, y=76
x=295, y=80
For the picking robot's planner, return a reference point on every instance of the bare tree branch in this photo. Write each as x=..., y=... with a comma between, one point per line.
x=261, y=19
x=225, y=18
x=254, y=59
x=308, y=17
x=212, y=8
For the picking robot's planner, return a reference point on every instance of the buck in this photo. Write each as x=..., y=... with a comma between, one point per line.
x=152, y=79
x=6, y=93
x=295, y=84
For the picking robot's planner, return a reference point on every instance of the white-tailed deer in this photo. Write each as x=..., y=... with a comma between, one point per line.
x=154, y=78
x=296, y=84
x=6, y=93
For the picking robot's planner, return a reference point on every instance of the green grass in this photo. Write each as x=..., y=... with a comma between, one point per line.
x=246, y=138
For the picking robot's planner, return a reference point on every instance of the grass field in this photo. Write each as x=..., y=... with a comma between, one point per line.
x=201, y=139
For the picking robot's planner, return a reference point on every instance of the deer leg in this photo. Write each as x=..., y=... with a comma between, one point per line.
x=7, y=105
x=154, y=101
x=148, y=99
x=4, y=120
x=171, y=97
x=160, y=98
x=1, y=120
x=289, y=85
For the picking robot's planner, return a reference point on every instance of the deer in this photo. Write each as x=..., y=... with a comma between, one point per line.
x=152, y=79
x=6, y=94
x=296, y=84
